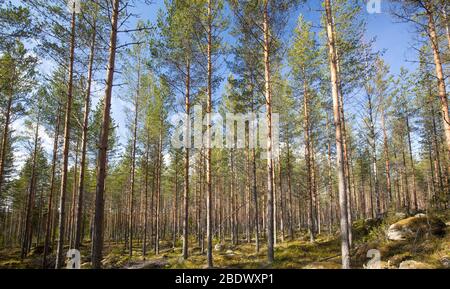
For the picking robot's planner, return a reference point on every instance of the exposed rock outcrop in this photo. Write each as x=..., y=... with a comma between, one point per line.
x=415, y=227
x=411, y=264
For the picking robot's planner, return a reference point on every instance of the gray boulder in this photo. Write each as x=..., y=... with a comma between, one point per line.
x=414, y=227
x=411, y=264
x=445, y=261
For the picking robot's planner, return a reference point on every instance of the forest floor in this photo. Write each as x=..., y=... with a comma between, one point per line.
x=324, y=253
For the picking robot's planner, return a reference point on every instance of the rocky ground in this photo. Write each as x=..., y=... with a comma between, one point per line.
x=400, y=241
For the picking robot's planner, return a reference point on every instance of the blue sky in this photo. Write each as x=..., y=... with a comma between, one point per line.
x=395, y=38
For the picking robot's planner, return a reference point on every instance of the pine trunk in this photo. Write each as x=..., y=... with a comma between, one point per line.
x=439, y=73
x=339, y=139
x=386, y=158
x=48, y=226
x=98, y=232
x=268, y=96
x=27, y=238
x=209, y=255
x=186, y=167
x=62, y=199
x=84, y=137
x=5, y=137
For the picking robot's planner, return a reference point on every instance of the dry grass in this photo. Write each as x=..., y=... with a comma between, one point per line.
x=324, y=253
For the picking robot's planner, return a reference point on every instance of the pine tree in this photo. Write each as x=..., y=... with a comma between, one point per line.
x=178, y=49
x=304, y=60
x=98, y=234
x=339, y=140
x=17, y=75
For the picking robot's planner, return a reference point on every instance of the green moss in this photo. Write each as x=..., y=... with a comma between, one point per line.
x=324, y=253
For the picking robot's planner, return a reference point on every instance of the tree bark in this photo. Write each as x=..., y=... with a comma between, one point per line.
x=97, y=240
x=289, y=183
x=439, y=73
x=309, y=178
x=330, y=177
x=158, y=189
x=436, y=146
x=233, y=205
x=51, y=191
x=339, y=139
x=175, y=199
x=413, y=167
x=62, y=200
x=347, y=168
x=27, y=238
x=372, y=139
x=406, y=196
x=209, y=254
x=268, y=96
x=386, y=157
x=248, y=228
x=133, y=161
x=78, y=234
x=282, y=201
x=186, y=166
x=71, y=227
x=5, y=140
x=445, y=21
x=146, y=177
x=255, y=200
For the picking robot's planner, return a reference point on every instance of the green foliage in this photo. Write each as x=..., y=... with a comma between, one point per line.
x=17, y=75
x=95, y=129
x=15, y=23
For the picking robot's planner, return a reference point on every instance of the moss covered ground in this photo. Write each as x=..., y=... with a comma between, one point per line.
x=299, y=253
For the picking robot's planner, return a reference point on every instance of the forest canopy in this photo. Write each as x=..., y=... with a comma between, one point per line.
x=204, y=130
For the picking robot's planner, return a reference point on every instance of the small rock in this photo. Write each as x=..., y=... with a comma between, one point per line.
x=230, y=253
x=196, y=250
x=420, y=215
x=157, y=264
x=445, y=261
x=414, y=227
x=396, y=234
x=39, y=250
x=372, y=266
x=396, y=260
x=323, y=265
x=400, y=215
x=86, y=265
x=378, y=265
x=411, y=264
x=372, y=223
